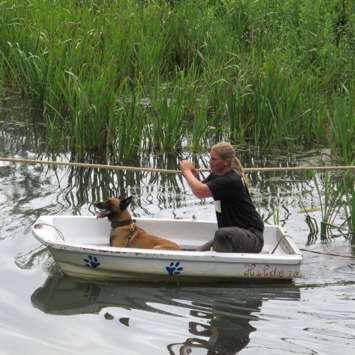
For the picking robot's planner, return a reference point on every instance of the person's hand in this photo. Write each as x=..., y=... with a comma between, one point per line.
x=186, y=165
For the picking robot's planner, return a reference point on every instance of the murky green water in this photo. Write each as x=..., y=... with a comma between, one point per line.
x=41, y=311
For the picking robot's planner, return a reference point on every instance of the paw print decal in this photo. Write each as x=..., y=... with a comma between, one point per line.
x=174, y=268
x=92, y=261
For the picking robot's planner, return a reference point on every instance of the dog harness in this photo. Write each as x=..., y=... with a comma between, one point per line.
x=131, y=222
x=116, y=224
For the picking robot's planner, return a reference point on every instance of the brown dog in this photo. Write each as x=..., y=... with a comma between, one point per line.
x=125, y=233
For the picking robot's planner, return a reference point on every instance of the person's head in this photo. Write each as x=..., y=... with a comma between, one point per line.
x=223, y=159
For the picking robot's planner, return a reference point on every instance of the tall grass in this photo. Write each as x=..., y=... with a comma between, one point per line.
x=123, y=77
x=343, y=125
x=336, y=199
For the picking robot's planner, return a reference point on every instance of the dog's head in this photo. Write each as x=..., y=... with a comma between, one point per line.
x=113, y=207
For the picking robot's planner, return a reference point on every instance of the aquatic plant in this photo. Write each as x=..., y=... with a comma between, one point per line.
x=122, y=78
x=336, y=198
x=343, y=125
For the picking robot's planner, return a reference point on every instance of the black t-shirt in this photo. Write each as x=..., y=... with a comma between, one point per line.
x=233, y=204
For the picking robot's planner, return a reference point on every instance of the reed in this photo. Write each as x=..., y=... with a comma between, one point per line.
x=348, y=182
x=351, y=216
x=343, y=126
x=260, y=72
x=336, y=199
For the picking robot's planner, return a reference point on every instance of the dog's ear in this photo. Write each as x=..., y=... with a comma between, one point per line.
x=122, y=197
x=125, y=203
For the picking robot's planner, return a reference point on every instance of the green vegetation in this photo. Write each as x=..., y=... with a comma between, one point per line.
x=337, y=202
x=124, y=77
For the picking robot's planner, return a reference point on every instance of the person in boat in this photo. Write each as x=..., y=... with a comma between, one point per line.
x=240, y=227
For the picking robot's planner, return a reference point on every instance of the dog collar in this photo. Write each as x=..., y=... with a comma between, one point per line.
x=116, y=224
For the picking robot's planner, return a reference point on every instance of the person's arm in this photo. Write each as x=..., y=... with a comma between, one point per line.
x=199, y=189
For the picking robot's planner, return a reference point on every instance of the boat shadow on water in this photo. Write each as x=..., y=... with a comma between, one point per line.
x=220, y=317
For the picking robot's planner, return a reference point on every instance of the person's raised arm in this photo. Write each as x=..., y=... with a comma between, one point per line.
x=199, y=189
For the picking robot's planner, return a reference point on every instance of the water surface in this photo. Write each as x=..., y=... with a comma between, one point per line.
x=42, y=311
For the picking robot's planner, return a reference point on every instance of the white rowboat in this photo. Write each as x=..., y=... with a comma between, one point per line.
x=80, y=247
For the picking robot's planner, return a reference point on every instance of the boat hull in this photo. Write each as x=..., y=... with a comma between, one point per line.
x=84, y=253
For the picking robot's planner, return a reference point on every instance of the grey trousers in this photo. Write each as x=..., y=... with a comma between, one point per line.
x=235, y=240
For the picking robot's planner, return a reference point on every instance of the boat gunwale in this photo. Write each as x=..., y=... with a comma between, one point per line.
x=202, y=256
x=168, y=254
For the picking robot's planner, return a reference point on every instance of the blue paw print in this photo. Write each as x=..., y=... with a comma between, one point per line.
x=92, y=261
x=174, y=268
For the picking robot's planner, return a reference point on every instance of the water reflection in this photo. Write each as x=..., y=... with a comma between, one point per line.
x=23, y=134
x=88, y=185
x=22, y=128
x=274, y=194
x=219, y=318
